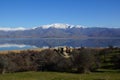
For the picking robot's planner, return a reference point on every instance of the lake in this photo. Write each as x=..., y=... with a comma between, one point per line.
x=29, y=43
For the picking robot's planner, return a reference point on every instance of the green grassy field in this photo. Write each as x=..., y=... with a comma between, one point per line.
x=111, y=75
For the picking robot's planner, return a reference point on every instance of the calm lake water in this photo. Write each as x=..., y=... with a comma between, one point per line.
x=28, y=43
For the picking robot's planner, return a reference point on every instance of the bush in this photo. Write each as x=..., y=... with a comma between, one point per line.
x=3, y=64
x=116, y=61
x=53, y=61
x=84, y=60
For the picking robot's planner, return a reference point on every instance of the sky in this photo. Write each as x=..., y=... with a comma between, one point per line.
x=33, y=13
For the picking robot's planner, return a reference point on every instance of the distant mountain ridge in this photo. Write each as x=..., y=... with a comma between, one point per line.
x=59, y=31
x=56, y=25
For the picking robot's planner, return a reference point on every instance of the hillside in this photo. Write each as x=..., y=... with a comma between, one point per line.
x=59, y=31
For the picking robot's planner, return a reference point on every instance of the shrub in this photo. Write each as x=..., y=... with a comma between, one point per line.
x=3, y=64
x=84, y=60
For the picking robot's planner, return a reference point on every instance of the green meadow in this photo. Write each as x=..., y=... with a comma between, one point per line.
x=103, y=75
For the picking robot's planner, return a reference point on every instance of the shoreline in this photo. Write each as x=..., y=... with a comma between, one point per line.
x=18, y=51
x=62, y=38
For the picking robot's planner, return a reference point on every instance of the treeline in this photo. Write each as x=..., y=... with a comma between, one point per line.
x=82, y=60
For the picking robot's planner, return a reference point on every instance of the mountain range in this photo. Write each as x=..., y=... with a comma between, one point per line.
x=59, y=31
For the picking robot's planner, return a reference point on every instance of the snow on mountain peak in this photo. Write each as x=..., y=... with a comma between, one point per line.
x=60, y=26
x=56, y=25
x=79, y=26
x=12, y=29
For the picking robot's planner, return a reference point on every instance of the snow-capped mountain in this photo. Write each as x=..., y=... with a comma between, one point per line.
x=55, y=25
x=60, y=26
x=58, y=30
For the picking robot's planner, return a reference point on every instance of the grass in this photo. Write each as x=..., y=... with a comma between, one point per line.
x=18, y=51
x=110, y=75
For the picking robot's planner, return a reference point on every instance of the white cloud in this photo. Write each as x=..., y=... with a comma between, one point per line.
x=12, y=29
x=12, y=45
x=15, y=45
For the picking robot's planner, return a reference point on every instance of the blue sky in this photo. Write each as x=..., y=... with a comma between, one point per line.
x=33, y=13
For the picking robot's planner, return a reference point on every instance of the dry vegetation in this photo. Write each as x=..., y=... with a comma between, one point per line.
x=80, y=60
x=18, y=51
